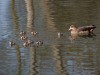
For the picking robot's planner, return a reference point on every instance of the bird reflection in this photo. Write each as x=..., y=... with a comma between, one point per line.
x=74, y=37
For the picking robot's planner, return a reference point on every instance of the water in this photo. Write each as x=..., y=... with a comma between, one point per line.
x=57, y=55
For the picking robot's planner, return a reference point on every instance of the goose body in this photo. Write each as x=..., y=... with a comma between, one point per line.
x=84, y=30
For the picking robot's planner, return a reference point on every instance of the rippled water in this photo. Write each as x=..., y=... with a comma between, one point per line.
x=57, y=55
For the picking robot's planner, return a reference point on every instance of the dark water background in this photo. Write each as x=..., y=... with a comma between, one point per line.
x=57, y=56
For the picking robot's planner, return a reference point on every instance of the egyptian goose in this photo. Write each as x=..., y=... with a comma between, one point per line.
x=82, y=30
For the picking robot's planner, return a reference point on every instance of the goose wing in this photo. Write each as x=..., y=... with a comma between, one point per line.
x=86, y=28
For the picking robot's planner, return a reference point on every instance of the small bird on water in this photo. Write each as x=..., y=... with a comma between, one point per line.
x=34, y=33
x=39, y=43
x=60, y=34
x=28, y=43
x=23, y=38
x=22, y=33
x=12, y=43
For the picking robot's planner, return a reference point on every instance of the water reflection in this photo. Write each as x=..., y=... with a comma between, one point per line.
x=19, y=60
x=33, y=61
x=59, y=60
x=72, y=38
x=30, y=14
x=16, y=31
x=57, y=56
x=18, y=47
x=15, y=17
x=81, y=61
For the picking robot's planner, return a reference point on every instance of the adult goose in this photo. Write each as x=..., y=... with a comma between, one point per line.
x=84, y=30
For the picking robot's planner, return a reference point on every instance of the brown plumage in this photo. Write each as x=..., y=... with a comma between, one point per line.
x=82, y=30
x=34, y=33
x=22, y=33
x=39, y=43
x=28, y=43
x=23, y=38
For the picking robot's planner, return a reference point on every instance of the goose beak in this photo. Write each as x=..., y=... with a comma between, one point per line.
x=69, y=29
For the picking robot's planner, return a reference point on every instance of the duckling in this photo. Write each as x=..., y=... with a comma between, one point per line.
x=25, y=44
x=34, y=33
x=39, y=43
x=22, y=33
x=12, y=43
x=23, y=38
x=30, y=42
x=60, y=34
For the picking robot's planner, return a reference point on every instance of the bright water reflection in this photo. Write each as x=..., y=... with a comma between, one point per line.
x=57, y=56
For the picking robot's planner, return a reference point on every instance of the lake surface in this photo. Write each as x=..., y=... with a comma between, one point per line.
x=57, y=55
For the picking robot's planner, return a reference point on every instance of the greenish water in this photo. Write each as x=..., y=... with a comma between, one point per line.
x=57, y=56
